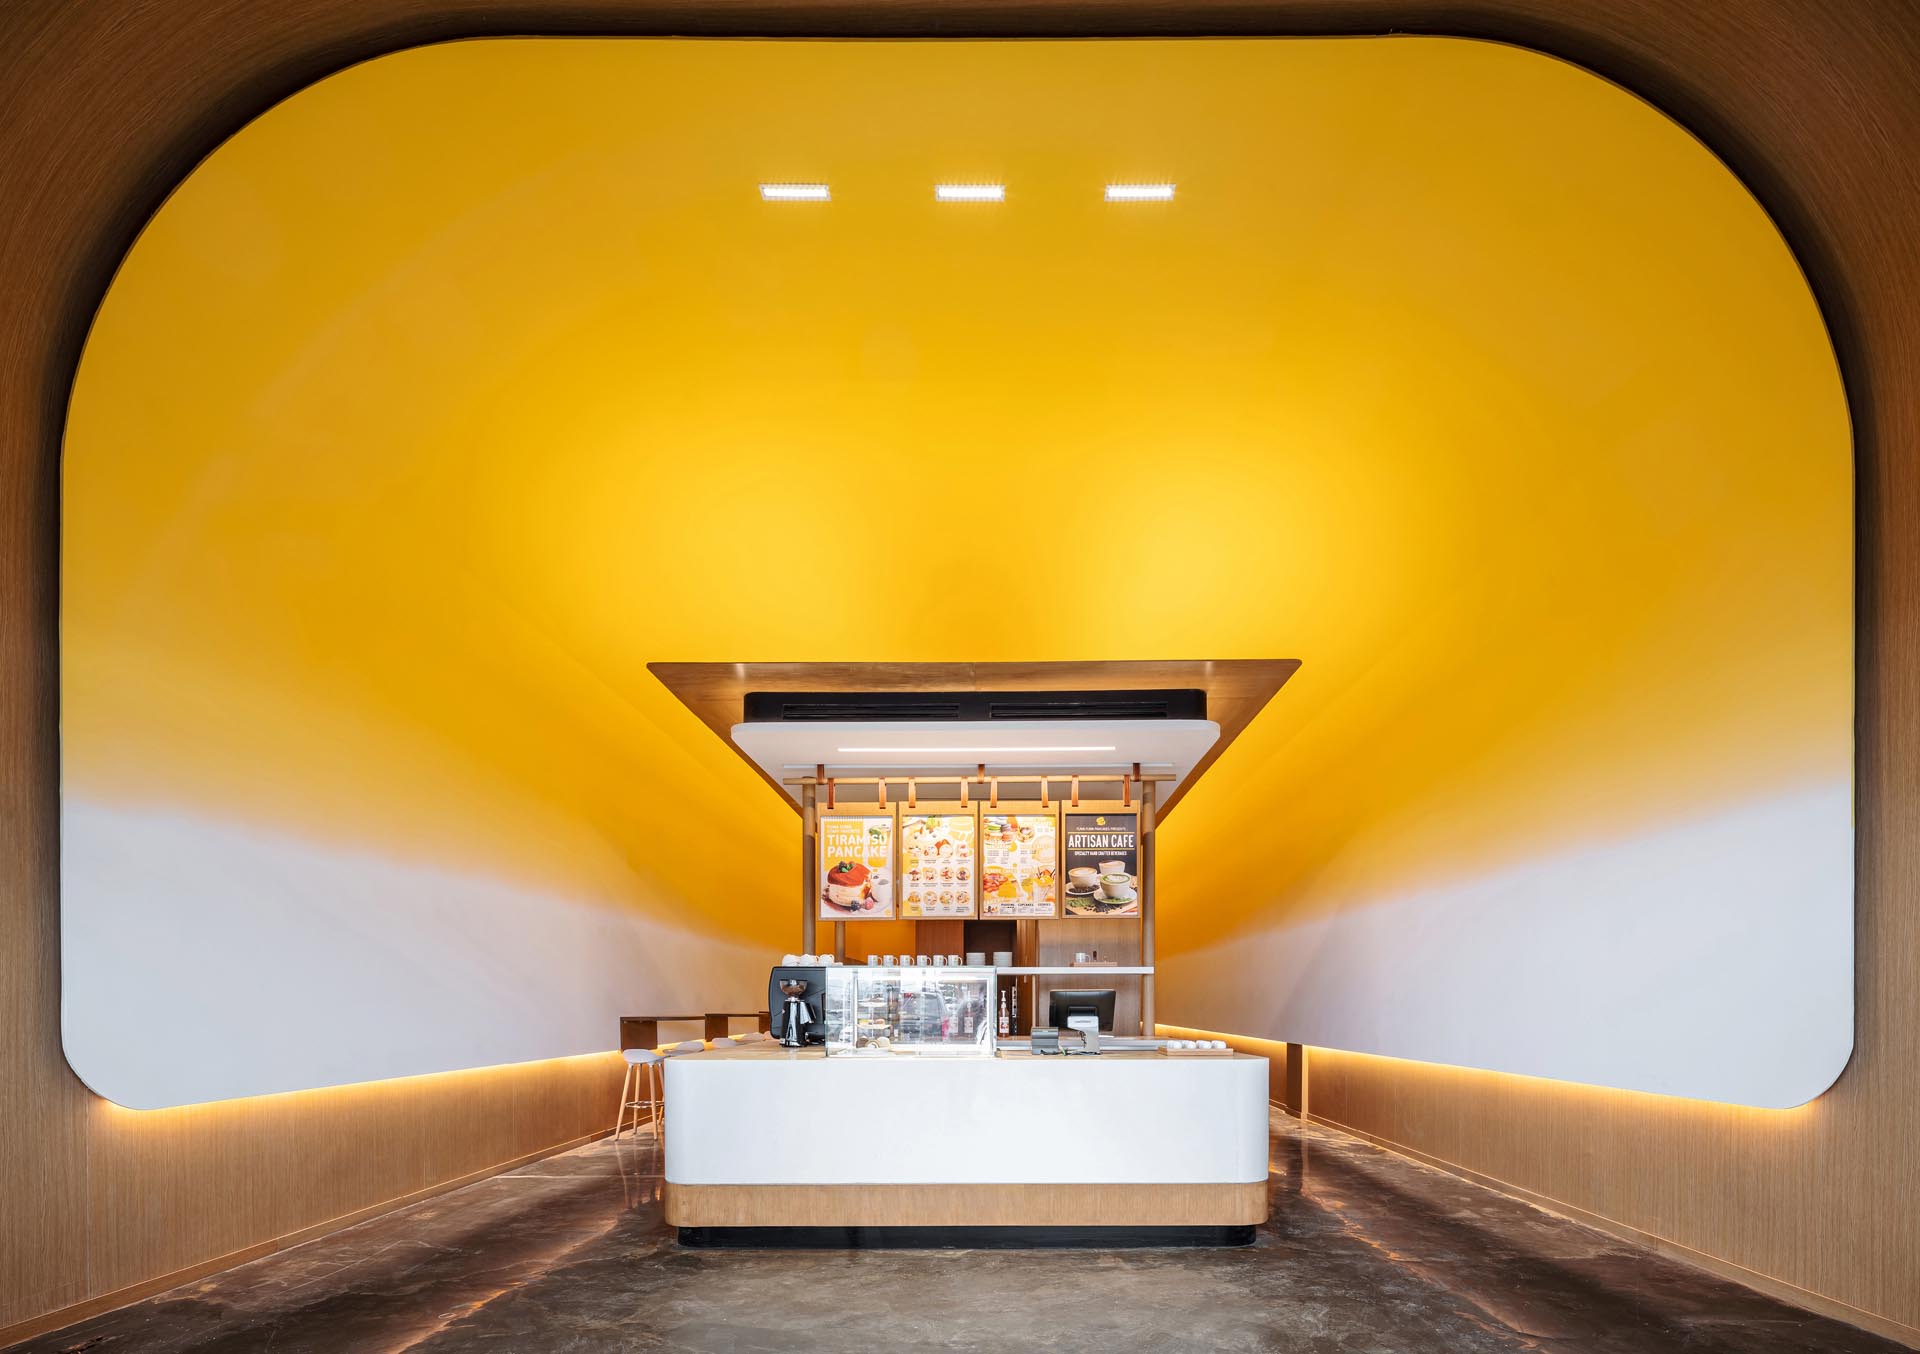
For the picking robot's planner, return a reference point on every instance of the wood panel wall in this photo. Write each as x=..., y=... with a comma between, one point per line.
x=1819, y=1200
x=105, y=104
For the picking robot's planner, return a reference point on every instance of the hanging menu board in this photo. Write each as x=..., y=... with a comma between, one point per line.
x=939, y=860
x=1100, y=859
x=856, y=866
x=1019, y=860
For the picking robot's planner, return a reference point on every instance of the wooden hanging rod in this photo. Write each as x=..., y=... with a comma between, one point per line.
x=974, y=778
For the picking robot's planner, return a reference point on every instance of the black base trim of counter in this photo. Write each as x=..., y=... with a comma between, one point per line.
x=960, y=1238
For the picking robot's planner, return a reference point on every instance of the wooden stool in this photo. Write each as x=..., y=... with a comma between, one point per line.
x=641, y=1063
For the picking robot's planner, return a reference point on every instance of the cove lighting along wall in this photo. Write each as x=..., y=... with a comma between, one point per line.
x=1505, y=408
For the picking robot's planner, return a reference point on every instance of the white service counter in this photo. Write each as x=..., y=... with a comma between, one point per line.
x=766, y=1136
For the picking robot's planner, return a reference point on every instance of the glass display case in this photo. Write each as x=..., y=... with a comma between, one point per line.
x=927, y=1011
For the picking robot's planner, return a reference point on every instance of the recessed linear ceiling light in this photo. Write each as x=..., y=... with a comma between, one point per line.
x=1139, y=192
x=970, y=192
x=795, y=192
x=921, y=752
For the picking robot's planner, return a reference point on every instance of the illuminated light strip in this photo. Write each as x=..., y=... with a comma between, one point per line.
x=795, y=192
x=1419, y=1066
x=1139, y=192
x=970, y=192
x=528, y=1065
x=969, y=751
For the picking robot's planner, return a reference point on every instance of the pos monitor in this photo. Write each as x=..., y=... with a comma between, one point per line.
x=1095, y=1003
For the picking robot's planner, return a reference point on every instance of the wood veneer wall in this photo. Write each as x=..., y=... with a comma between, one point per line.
x=106, y=104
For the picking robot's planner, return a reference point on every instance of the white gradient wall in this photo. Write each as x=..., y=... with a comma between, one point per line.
x=204, y=960
x=1710, y=958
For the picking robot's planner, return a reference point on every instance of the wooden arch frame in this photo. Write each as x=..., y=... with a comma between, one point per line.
x=106, y=105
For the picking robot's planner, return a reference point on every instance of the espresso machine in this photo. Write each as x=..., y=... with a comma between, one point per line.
x=796, y=1000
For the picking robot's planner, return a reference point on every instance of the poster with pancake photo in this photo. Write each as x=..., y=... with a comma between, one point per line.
x=1100, y=860
x=856, y=867
x=1019, y=860
x=939, y=861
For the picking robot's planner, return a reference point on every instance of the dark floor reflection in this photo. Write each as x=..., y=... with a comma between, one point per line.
x=1365, y=1252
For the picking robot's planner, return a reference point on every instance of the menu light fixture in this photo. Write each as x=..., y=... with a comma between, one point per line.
x=795, y=192
x=971, y=751
x=1139, y=192
x=970, y=192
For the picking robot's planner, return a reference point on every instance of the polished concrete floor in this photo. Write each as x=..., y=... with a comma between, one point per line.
x=1365, y=1252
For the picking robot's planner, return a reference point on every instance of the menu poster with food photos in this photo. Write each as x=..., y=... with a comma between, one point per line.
x=1100, y=860
x=939, y=862
x=856, y=867
x=1019, y=856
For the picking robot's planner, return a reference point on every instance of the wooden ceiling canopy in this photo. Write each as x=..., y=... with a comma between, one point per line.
x=1237, y=689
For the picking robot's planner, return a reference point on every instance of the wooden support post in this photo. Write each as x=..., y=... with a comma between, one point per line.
x=1148, y=862
x=809, y=863
x=1026, y=954
x=1293, y=1098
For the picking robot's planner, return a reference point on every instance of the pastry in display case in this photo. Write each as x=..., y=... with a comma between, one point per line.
x=936, y=1011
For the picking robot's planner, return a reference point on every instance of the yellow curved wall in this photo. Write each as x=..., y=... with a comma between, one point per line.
x=459, y=387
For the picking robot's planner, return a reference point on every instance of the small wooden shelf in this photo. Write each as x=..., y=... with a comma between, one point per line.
x=1078, y=970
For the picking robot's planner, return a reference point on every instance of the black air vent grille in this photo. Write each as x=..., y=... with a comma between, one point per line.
x=812, y=707
x=1079, y=707
x=853, y=708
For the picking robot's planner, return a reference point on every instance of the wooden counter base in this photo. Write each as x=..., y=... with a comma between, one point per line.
x=970, y=1205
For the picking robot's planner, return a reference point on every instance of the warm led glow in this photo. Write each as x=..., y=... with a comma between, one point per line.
x=970, y=192
x=317, y=1094
x=971, y=751
x=1139, y=192
x=795, y=192
x=1408, y=1067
